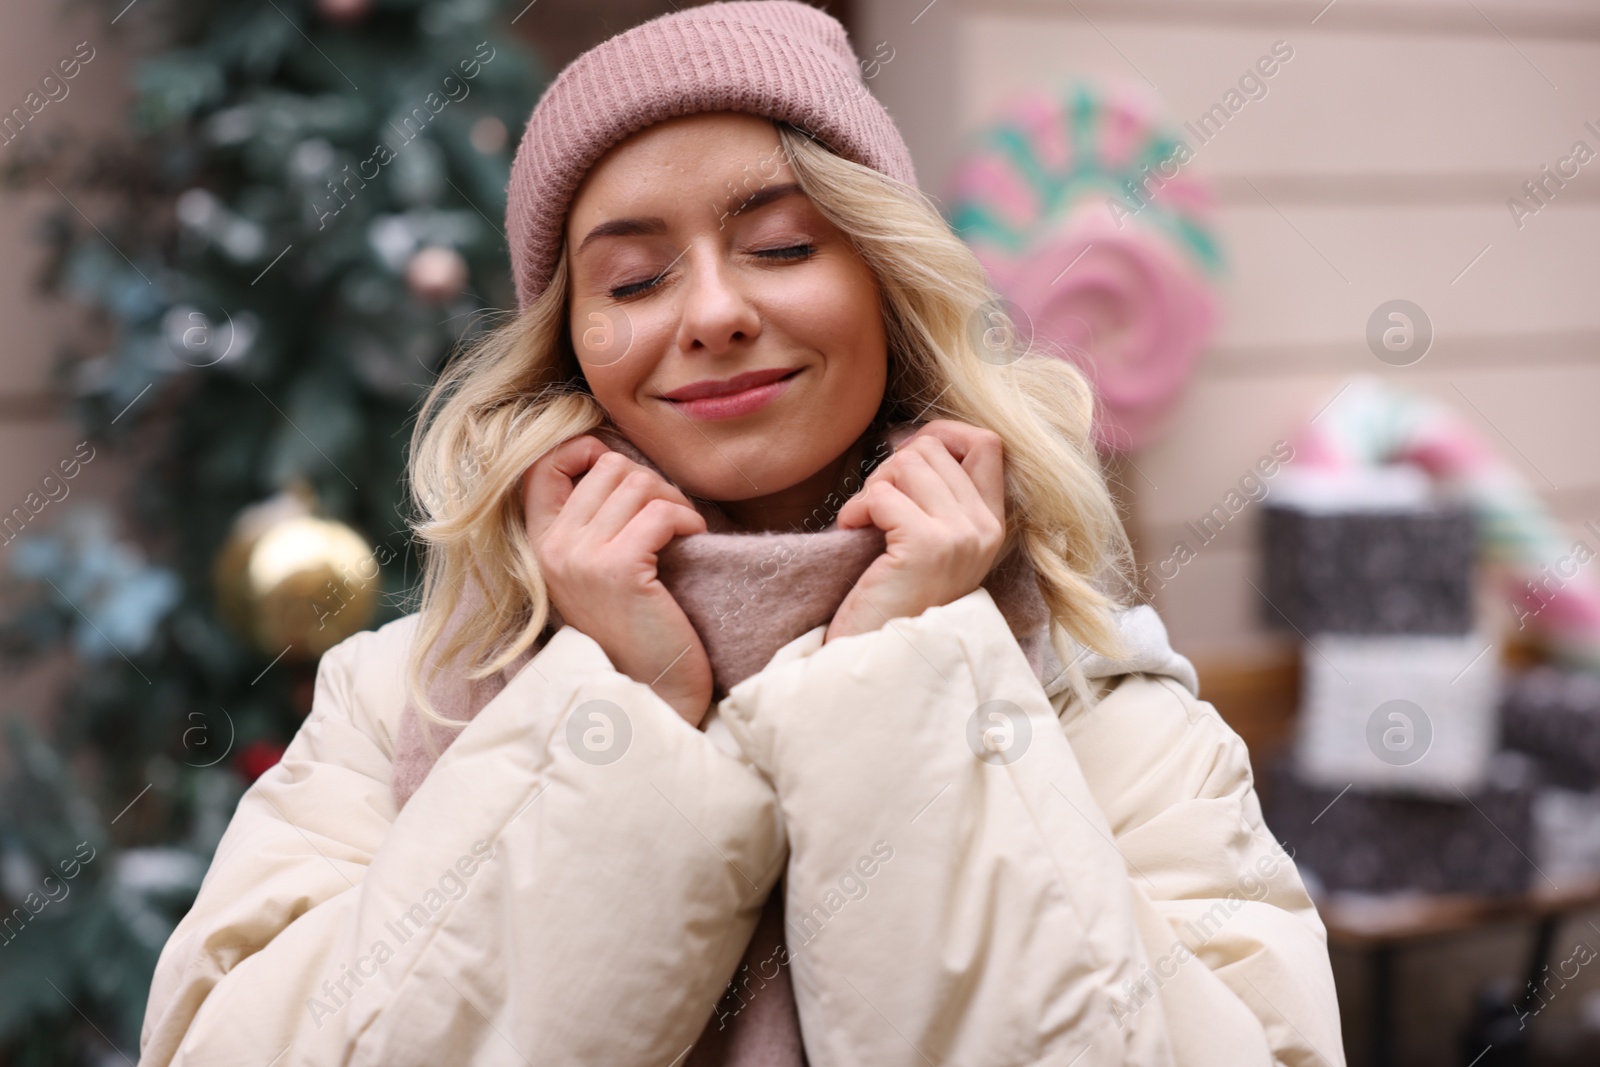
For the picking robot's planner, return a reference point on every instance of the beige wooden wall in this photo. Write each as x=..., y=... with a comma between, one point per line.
x=1377, y=166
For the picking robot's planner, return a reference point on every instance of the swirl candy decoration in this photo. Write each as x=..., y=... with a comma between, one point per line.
x=1079, y=206
x=1547, y=576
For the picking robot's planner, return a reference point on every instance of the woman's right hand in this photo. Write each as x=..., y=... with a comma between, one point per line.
x=596, y=520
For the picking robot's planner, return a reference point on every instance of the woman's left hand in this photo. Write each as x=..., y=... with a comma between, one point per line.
x=940, y=500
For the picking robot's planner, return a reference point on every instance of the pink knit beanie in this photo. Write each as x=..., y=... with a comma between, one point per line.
x=779, y=58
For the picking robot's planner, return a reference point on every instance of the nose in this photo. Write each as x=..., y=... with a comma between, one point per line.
x=717, y=312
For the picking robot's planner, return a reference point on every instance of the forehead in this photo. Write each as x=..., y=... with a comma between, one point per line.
x=684, y=156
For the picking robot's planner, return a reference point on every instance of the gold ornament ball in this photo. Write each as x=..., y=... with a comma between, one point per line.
x=436, y=274
x=293, y=583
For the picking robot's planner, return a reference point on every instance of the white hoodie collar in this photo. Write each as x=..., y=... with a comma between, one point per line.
x=1150, y=652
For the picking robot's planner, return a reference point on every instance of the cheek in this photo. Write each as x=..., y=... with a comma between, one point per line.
x=838, y=310
x=854, y=325
x=610, y=344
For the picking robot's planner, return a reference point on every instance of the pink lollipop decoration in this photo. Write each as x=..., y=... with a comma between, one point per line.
x=1075, y=205
x=1368, y=424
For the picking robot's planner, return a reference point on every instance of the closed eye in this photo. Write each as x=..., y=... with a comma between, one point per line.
x=791, y=252
x=634, y=288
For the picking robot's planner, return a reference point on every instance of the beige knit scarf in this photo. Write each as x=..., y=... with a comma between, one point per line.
x=747, y=595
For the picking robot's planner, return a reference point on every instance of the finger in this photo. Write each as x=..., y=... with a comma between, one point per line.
x=853, y=513
x=981, y=454
x=657, y=523
x=959, y=437
x=623, y=466
x=885, y=468
x=969, y=499
x=550, y=481
x=930, y=487
x=636, y=488
x=585, y=479
x=887, y=508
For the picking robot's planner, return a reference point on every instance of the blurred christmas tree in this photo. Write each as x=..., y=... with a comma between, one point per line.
x=301, y=223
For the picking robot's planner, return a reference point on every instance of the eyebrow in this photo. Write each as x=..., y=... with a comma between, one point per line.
x=632, y=227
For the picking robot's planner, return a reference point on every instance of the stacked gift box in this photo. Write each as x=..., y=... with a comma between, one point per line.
x=1396, y=779
x=1553, y=715
x=1417, y=764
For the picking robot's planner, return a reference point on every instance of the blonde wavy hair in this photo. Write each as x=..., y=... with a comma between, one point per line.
x=517, y=391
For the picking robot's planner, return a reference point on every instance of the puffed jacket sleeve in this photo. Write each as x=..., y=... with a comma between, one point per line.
x=1237, y=955
x=972, y=881
x=532, y=902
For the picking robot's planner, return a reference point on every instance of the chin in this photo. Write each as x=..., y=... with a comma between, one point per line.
x=763, y=454
x=726, y=485
x=727, y=476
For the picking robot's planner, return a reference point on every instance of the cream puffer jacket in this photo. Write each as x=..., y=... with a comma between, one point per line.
x=980, y=871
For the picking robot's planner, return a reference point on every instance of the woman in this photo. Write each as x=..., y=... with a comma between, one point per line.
x=732, y=297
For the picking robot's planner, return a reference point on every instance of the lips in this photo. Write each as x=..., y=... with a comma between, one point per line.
x=733, y=397
x=739, y=383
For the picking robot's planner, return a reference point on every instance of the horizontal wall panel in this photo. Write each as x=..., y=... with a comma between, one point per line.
x=1540, y=419
x=1557, y=19
x=1421, y=189
x=1376, y=165
x=1209, y=606
x=1344, y=103
x=1299, y=274
x=1532, y=348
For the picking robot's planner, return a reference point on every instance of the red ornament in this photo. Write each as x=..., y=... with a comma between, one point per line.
x=345, y=11
x=436, y=274
x=303, y=691
x=257, y=758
